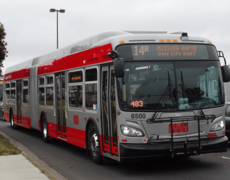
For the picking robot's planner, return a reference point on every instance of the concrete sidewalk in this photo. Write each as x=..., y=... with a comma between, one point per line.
x=18, y=167
x=13, y=165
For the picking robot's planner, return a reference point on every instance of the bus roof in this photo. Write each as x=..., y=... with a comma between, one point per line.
x=112, y=37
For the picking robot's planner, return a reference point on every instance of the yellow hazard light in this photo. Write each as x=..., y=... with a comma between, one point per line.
x=121, y=42
x=209, y=42
x=168, y=40
x=175, y=40
x=162, y=40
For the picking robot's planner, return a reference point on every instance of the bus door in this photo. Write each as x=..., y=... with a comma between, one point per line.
x=60, y=105
x=108, y=106
x=19, y=101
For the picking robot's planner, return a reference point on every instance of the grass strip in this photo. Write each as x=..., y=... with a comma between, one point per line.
x=6, y=148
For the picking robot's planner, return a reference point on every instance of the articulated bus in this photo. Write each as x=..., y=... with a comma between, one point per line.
x=124, y=95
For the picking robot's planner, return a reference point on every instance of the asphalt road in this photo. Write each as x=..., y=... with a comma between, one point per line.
x=73, y=163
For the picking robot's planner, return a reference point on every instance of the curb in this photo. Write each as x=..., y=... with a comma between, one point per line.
x=41, y=165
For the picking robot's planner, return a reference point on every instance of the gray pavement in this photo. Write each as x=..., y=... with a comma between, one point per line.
x=29, y=157
x=18, y=167
x=62, y=159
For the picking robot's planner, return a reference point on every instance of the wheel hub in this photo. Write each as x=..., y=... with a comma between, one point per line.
x=94, y=144
x=44, y=129
x=12, y=122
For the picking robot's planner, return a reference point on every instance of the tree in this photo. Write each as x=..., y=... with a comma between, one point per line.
x=3, y=50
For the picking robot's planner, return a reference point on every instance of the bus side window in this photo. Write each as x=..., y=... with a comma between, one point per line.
x=49, y=91
x=25, y=91
x=13, y=90
x=75, y=89
x=91, y=89
x=41, y=91
x=7, y=89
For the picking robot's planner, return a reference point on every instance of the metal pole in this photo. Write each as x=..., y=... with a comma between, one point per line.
x=57, y=29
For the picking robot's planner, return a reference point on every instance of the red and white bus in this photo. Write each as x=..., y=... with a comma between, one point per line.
x=124, y=95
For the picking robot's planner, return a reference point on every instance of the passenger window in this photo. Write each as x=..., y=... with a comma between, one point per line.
x=41, y=81
x=41, y=91
x=91, y=96
x=13, y=85
x=7, y=90
x=75, y=77
x=75, y=96
x=25, y=91
x=49, y=80
x=41, y=96
x=49, y=96
x=91, y=89
x=91, y=75
x=7, y=85
x=8, y=94
x=13, y=95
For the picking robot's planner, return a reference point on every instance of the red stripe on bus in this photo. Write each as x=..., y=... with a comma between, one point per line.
x=39, y=125
x=23, y=73
x=84, y=58
x=16, y=119
x=114, y=148
x=105, y=145
x=7, y=116
x=101, y=144
x=76, y=137
x=26, y=122
x=73, y=136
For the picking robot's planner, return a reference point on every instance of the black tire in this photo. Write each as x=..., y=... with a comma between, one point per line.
x=12, y=121
x=45, y=130
x=94, y=144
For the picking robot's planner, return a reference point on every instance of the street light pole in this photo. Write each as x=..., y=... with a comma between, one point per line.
x=57, y=29
x=61, y=11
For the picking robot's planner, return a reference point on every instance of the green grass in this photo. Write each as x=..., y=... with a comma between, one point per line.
x=6, y=148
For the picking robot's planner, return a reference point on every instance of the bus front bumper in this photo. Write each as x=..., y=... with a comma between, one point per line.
x=141, y=151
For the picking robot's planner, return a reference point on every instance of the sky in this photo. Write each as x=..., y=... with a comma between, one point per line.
x=31, y=28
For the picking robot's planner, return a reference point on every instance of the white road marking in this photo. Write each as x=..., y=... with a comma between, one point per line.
x=225, y=157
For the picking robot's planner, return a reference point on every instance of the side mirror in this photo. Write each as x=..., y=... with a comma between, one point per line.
x=118, y=63
x=225, y=73
x=224, y=69
x=113, y=54
x=119, y=67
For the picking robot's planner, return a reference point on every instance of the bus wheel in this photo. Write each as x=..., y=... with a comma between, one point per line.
x=12, y=121
x=94, y=145
x=45, y=130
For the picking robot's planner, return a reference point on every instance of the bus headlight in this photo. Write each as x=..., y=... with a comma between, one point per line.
x=131, y=131
x=217, y=126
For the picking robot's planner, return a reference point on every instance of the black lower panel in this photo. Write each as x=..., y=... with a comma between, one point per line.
x=228, y=134
x=130, y=151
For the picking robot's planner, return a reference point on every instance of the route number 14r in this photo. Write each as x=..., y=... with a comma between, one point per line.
x=141, y=50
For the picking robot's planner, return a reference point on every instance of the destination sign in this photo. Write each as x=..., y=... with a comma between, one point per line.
x=76, y=78
x=169, y=51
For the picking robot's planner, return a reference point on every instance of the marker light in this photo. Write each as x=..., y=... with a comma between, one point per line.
x=121, y=42
x=168, y=40
x=131, y=131
x=175, y=40
x=162, y=40
x=209, y=42
x=217, y=126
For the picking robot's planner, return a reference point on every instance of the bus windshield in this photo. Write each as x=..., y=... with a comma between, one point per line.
x=170, y=85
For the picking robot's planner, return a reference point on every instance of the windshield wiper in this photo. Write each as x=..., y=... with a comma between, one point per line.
x=184, y=88
x=168, y=89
